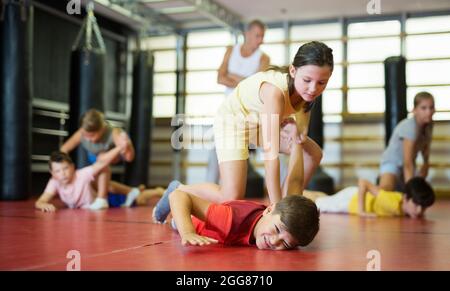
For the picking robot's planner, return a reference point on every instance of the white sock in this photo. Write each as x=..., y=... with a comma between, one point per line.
x=173, y=225
x=99, y=203
x=131, y=196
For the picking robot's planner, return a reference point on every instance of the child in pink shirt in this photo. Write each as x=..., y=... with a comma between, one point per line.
x=76, y=194
x=73, y=186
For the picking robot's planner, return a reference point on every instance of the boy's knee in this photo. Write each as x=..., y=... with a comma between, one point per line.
x=174, y=194
x=232, y=194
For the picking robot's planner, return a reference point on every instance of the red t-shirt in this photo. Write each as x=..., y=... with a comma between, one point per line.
x=231, y=223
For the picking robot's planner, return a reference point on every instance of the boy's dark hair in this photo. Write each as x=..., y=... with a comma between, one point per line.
x=420, y=191
x=59, y=157
x=301, y=217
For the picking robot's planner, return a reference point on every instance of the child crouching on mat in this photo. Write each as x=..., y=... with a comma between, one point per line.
x=97, y=136
x=75, y=186
x=291, y=222
x=370, y=200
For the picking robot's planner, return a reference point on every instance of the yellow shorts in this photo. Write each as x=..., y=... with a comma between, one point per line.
x=232, y=134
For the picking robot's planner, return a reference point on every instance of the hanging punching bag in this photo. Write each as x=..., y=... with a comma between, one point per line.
x=87, y=65
x=86, y=91
x=141, y=118
x=395, y=88
x=320, y=181
x=15, y=130
x=315, y=131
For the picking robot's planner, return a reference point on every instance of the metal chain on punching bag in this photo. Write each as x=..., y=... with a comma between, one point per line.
x=86, y=76
x=89, y=25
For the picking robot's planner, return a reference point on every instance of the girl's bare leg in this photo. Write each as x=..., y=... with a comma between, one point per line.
x=388, y=181
x=234, y=179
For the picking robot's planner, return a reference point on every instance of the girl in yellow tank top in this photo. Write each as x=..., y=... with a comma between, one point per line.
x=270, y=109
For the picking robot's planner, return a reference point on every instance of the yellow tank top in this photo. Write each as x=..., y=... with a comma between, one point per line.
x=245, y=99
x=386, y=203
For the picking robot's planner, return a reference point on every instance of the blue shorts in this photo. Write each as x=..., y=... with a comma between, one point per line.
x=91, y=158
x=391, y=169
x=115, y=200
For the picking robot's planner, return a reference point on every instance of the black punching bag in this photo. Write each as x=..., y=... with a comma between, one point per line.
x=141, y=118
x=86, y=91
x=395, y=87
x=320, y=181
x=15, y=103
x=315, y=131
x=87, y=65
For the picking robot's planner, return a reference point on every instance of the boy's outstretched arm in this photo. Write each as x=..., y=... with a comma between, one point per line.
x=43, y=202
x=365, y=186
x=182, y=205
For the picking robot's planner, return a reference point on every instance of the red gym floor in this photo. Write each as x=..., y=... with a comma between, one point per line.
x=125, y=239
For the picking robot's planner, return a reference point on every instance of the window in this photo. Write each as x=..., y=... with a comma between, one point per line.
x=215, y=37
x=366, y=100
x=428, y=24
x=203, y=93
x=428, y=68
x=164, y=79
x=274, y=47
x=205, y=58
x=373, y=49
x=428, y=46
x=369, y=44
x=203, y=82
x=363, y=75
x=374, y=28
x=427, y=49
x=165, y=60
x=332, y=101
x=428, y=72
x=316, y=31
x=276, y=52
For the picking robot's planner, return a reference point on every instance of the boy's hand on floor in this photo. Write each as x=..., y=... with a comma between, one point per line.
x=196, y=240
x=47, y=207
